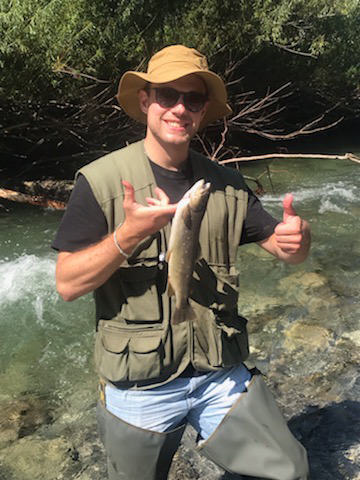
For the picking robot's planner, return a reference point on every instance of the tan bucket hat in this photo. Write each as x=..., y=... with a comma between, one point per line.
x=172, y=63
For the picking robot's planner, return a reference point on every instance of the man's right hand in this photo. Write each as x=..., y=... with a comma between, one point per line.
x=141, y=221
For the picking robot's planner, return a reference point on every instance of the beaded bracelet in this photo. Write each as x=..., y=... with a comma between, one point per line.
x=124, y=254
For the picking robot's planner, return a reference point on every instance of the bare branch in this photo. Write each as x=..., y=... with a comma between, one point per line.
x=206, y=150
x=257, y=105
x=14, y=127
x=305, y=130
x=260, y=189
x=222, y=143
x=258, y=116
x=346, y=156
x=32, y=199
x=71, y=71
x=296, y=52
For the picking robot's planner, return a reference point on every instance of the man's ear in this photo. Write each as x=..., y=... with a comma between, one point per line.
x=143, y=101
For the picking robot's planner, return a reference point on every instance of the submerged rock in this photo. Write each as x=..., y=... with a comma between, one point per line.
x=22, y=417
x=33, y=458
x=308, y=337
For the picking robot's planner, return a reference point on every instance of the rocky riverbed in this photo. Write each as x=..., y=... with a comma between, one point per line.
x=312, y=368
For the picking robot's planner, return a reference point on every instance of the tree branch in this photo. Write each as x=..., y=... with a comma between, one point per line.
x=305, y=130
x=346, y=156
x=32, y=199
x=221, y=144
x=74, y=73
x=296, y=52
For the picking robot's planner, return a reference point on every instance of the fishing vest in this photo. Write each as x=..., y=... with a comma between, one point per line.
x=136, y=344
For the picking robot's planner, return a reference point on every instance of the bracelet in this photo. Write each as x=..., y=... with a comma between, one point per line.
x=124, y=254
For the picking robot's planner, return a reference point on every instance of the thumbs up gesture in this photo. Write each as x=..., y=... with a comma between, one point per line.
x=292, y=235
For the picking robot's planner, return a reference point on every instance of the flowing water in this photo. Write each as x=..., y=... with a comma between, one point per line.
x=304, y=324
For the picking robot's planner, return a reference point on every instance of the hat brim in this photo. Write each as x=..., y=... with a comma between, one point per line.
x=132, y=82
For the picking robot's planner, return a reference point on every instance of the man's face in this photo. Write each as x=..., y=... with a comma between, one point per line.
x=174, y=125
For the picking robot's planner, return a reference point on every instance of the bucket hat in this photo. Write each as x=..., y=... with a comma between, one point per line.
x=167, y=65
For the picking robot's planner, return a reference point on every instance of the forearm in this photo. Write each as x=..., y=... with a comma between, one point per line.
x=81, y=272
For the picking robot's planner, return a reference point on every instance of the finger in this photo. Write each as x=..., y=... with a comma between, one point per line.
x=156, y=210
x=289, y=248
x=164, y=209
x=289, y=239
x=153, y=201
x=293, y=226
x=289, y=211
x=164, y=199
x=129, y=197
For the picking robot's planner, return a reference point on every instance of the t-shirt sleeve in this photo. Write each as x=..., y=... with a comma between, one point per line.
x=83, y=223
x=259, y=224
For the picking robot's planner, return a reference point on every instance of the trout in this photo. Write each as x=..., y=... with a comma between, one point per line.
x=184, y=246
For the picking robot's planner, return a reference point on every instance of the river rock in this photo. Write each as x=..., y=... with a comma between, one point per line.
x=32, y=458
x=308, y=337
x=304, y=279
x=21, y=417
x=353, y=336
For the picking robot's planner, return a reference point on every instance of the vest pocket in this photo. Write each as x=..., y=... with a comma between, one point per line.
x=140, y=291
x=144, y=358
x=234, y=340
x=125, y=355
x=220, y=341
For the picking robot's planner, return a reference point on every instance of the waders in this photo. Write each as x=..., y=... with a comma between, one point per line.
x=134, y=453
x=253, y=439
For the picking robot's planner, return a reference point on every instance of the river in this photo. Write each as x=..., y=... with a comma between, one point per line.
x=303, y=320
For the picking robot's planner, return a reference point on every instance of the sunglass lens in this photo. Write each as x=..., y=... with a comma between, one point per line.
x=167, y=97
x=194, y=101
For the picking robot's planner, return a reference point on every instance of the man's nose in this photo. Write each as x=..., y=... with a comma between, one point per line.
x=179, y=108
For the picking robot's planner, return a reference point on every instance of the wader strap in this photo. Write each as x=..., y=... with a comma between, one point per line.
x=134, y=453
x=254, y=439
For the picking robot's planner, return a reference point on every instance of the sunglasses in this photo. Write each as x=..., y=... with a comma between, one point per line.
x=167, y=97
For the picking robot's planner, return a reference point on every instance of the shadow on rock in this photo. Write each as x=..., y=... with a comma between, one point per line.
x=331, y=436
x=22, y=417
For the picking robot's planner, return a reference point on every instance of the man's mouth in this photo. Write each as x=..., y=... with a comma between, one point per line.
x=174, y=124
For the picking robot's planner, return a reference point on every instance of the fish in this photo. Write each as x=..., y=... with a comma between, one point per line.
x=183, y=248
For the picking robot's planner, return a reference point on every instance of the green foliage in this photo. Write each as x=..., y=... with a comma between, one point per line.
x=37, y=35
x=41, y=39
x=338, y=68
x=329, y=32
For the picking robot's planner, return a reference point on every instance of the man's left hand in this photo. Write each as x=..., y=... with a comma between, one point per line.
x=289, y=233
x=291, y=238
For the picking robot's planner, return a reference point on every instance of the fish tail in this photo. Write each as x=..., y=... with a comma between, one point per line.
x=183, y=314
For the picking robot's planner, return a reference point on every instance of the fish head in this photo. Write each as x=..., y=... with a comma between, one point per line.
x=199, y=194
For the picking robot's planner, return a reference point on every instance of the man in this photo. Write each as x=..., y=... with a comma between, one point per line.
x=157, y=376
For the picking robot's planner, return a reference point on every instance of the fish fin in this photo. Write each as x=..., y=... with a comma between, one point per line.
x=183, y=314
x=171, y=290
x=168, y=255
